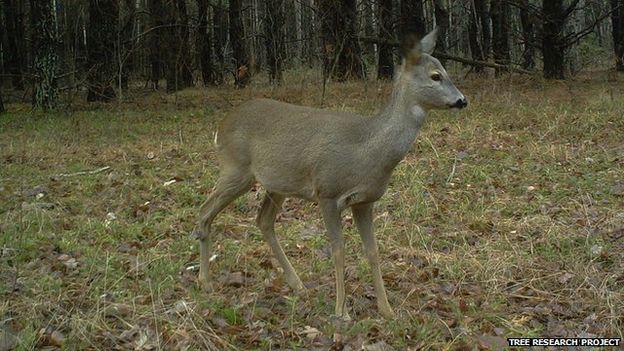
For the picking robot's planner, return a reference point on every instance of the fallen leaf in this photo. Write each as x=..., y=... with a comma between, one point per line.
x=378, y=346
x=491, y=342
x=565, y=278
x=235, y=279
x=618, y=189
x=310, y=332
x=118, y=310
x=57, y=338
x=8, y=340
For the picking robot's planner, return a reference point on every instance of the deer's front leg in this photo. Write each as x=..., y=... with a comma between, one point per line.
x=363, y=216
x=331, y=217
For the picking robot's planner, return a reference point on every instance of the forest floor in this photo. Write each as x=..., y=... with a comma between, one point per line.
x=505, y=220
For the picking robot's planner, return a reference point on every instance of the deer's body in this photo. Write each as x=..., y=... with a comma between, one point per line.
x=337, y=159
x=311, y=147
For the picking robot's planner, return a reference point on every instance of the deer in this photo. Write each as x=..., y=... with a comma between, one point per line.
x=336, y=159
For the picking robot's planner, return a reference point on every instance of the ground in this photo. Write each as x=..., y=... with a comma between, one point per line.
x=505, y=220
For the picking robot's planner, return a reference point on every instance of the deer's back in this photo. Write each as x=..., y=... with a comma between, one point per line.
x=296, y=150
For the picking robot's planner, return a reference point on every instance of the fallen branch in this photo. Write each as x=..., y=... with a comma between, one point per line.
x=95, y=171
x=444, y=56
x=481, y=63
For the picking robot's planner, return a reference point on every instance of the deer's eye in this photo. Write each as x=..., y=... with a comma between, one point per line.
x=436, y=77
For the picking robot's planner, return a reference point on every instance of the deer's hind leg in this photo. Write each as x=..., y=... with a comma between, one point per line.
x=266, y=222
x=229, y=186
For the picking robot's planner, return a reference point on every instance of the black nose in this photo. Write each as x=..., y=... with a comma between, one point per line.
x=460, y=103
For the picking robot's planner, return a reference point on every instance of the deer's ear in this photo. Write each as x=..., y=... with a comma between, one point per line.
x=428, y=43
x=413, y=49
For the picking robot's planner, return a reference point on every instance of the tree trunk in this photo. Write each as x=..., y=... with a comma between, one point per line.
x=484, y=17
x=2, y=110
x=219, y=27
x=476, y=47
x=16, y=51
x=341, y=50
x=156, y=9
x=204, y=44
x=126, y=56
x=500, y=13
x=101, y=38
x=442, y=21
x=274, y=38
x=179, y=75
x=553, y=45
x=46, y=61
x=239, y=49
x=385, y=65
x=412, y=24
x=528, y=33
x=617, y=18
x=367, y=20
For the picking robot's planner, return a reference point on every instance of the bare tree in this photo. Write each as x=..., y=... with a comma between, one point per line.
x=126, y=50
x=239, y=49
x=179, y=75
x=274, y=38
x=476, y=45
x=412, y=22
x=553, y=42
x=15, y=43
x=204, y=44
x=528, y=36
x=156, y=9
x=341, y=50
x=44, y=47
x=500, y=13
x=617, y=18
x=220, y=30
x=442, y=21
x=2, y=110
x=101, y=38
x=484, y=17
x=385, y=63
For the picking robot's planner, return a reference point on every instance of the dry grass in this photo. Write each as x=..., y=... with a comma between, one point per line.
x=505, y=220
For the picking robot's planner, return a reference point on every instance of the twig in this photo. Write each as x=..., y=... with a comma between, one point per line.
x=452, y=174
x=95, y=171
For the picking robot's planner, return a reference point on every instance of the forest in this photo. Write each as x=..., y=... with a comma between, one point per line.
x=504, y=219
x=107, y=46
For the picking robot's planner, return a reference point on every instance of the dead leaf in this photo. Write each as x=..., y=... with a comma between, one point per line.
x=310, y=332
x=8, y=340
x=118, y=310
x=618, y=189
x=378, y=346
x=491, y=342
x=616, y=234
x=57, y=338
x=181, y=307
x=565, y=278
x=236, y=279
x=39, y=191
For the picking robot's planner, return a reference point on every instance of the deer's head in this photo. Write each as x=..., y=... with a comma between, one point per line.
x=428, y=84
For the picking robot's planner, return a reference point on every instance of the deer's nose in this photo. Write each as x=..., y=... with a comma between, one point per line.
x=460, y=103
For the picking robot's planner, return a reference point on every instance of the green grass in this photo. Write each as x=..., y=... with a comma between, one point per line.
x=502, y=221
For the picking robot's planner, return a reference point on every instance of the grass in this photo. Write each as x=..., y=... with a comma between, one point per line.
x=505, y=220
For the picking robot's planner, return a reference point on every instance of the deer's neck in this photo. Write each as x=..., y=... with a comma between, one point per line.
x=399, y=123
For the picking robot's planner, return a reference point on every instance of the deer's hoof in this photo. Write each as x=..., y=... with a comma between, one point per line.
x=205, y=285
x=387, y=313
